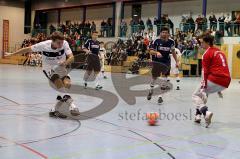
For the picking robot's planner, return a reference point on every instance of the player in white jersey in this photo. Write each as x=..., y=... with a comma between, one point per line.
x=174, y=69
x=102, y=55
x=56, y=55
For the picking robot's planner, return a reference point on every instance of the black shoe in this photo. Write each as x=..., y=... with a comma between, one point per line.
x=98, y=87
x=57, y=114
x=160, y=100
x=149, y=96
x=59, y=97
x=105, y=77
x=85, y=85
x=52, y=114
x=197, y=118
x=178, y=88
x=165, y=87
x=66, y=98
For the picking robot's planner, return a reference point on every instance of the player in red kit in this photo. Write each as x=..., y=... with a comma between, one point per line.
x=216, y=78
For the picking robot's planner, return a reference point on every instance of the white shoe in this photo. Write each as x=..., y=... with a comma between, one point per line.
x=197, y=119
x=208, y=118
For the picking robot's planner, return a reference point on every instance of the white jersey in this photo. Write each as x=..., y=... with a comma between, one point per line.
x=174, y=69
x=152, y=36
x=51, y=57
x=102, y=54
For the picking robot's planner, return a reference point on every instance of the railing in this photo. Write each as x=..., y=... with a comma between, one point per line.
x=127, y=31
x=225, y=29
x=106, y=31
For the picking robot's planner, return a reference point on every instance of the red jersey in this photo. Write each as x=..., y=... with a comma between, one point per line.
x=215, y=67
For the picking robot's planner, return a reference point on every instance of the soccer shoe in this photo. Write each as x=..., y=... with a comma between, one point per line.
x=220, y=95
x=75, y=112
x=52, y=111
x=59, y=98
x=178, y=88
x=98, y=87
x=85, y=85
x=149, y=96
x=57, y=114
x=208, y=118
x=165, y=87
x=52, y=114
x=160, y=100
x=197, y=119
x=105, y=77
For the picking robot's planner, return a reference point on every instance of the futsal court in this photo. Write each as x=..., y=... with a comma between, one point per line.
x=26, y=130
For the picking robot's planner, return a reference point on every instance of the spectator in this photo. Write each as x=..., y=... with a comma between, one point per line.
x=93, y=27
x=221, y=20
x=159, y=24
x=213, y=22
x=88, y=28
x=82, y=28
x=199, y=22
x=123, y=28
x=184, y=24
x=133, y=25
x=237, y=23
x=198, y=32
x=204, y=22
x=191, y=23
x=152, y=36
x=149, y=24
x=109, y=27
x=169, y=23
x=52, y=29
x=103, y=28
x=227, y=23
x=141, y=25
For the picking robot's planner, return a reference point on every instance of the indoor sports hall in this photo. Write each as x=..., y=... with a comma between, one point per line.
x=119, y=79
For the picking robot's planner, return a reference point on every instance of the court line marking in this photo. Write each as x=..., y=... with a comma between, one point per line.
x=9, y=100
x=26, y=147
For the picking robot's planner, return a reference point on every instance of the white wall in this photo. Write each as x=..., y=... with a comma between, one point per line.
x=52, y=4
x=53, y=18
x=75, y=15
x=176, y=9
x=128, y=13
x=15, y=15
x=97, y=14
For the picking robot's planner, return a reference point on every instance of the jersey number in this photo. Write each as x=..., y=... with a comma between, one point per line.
x=223, y=60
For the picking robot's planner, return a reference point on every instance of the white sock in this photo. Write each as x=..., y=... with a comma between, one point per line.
x=97, y=80
x=152, y=84
x=62, y=91
x=53, y=109
x=72, y=106
x=85, y=78
x=165, y=78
